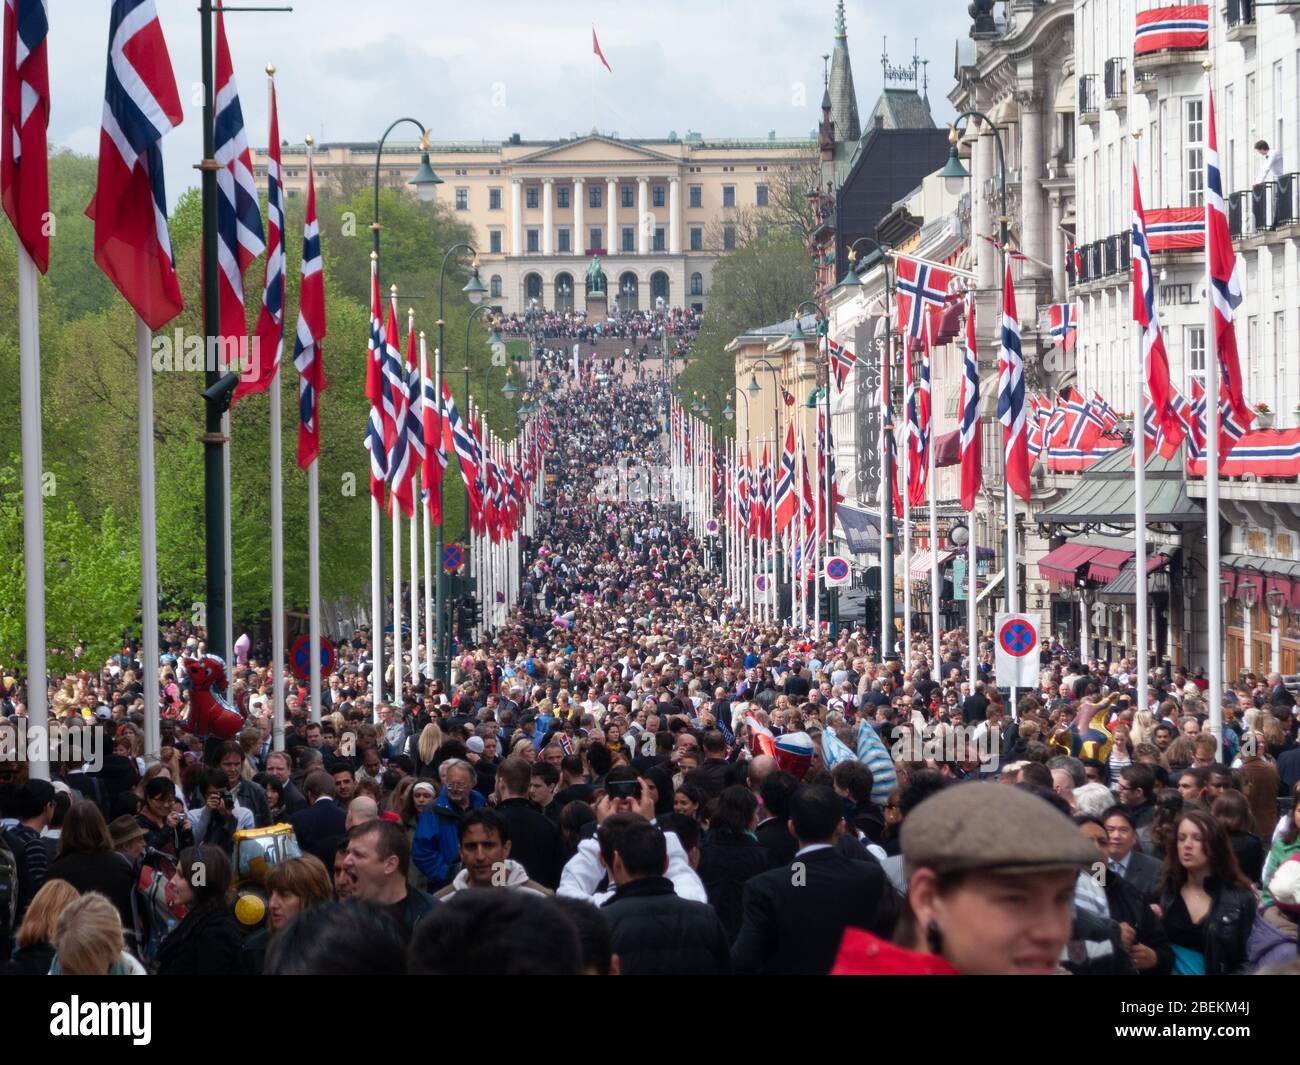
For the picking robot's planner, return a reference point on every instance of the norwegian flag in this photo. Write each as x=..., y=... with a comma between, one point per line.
x=311, y=331
x=376, y=391
x=825, y=473
x=1162, y=28
x=755, y=498
x=842, y=360
x=413, y=425
x=1230, y=429
x=765, y=479
x=1076, y=257
x=1058, y=420
x=918, y=421
x=787, y=397
x=395, y=441
x=972, y=470
x=1011, y=252
x=435, y=451
x=268, y=335
x=457, y=437
x=132, y=244
x=1011, y=396
x=891, y=442
x=1064, y=319
x=1039, y=413
x=1154, y=435
x=566, y=743
x=239, y=219
x=1109, y=419
x=918, y=286
x=24, y=116
x=1084, y=423
x=809, y=506
x=786, y=503
x=1225, y=289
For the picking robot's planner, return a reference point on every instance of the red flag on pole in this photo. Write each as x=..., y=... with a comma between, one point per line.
x=24, y=114
x=595, y=47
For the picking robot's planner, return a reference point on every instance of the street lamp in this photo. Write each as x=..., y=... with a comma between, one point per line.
x=1276, y=603
x=426, y=182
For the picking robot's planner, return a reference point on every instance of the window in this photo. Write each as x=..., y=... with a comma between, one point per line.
x=697, y=238
x=534, y=239
x=697, y=284
x=1253, y=353
x=628, y=242
x=1280, y=369
x=728, y=195
x=1226, y=123
x=625, y=194
x=562, y=240
x=1277, y=107
x=761, y=200
x=593, y=195
x=1067, y=137
x=562, y=197
x=494, y=286
x=729, y=237
x=494, y=199
x=695, y=194
x=530, y=197
x=1252, y=110
x=659, y=238
x=462, y=199
x=494, y=241
x=1194, y=152
x=593, y=238
x=656, y=195
x=1194, y=350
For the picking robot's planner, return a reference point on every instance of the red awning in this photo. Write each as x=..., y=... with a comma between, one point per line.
x=1156, y=562
x=1061, y=565
x=1105, y=564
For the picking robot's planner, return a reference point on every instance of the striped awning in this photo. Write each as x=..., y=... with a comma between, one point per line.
x=1105, y=565
x=920, y=568
x=1061, y=565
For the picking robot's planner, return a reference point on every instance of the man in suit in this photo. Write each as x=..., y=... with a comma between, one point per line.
x=1143, y=871
x=279, y=767
x=795, y=916
x=320, y=826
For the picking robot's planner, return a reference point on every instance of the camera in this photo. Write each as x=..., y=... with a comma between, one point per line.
x=228, y=799
x=623, y=789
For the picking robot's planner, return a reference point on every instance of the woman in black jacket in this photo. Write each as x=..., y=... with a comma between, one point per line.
x=88, y=862
x=34, y=943
x=1207, y=904
x=207, y=942
x=731, y=855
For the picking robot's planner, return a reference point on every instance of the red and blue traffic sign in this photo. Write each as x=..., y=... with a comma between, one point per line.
x=837, y=569
x=1018, y=638
x=453, y=557
x=300, y=658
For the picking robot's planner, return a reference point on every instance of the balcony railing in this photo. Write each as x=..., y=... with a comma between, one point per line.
x=1265, y=207
x=1116, y=78
x=1102, y=258
x=1240, y=14
x=1089, y=103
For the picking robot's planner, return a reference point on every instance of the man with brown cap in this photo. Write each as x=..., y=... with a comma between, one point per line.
x=128, y=837
x=991, y=873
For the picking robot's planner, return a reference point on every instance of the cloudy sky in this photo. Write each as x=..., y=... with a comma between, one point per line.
x=345, y=69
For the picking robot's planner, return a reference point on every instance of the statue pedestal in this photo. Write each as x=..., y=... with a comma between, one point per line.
x=597, y=306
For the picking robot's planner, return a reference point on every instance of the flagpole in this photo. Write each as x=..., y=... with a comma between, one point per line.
x=29, y=347
x=934, y=532
x=886, y=502
x=228, y=620
x=1214, y=694
x=397, y=597
x=426, y=521
x=277, y=569
x=819, y=501
x=313, y=581
x=415, y=530
x=1139, y=486
x=909, y=398
x=148, y=532
x=972, y=587
x=376, y=547
x=796, y=530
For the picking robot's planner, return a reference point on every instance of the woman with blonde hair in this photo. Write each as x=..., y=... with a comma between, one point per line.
x=88, y=940
x=426, y=749
x=1144, y=728
x=34, y=942
x=292, y=886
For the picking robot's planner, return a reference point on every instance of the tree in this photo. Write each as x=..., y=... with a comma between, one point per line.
x=788, y=206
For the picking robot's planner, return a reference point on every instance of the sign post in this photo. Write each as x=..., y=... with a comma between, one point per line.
x=1016, y=652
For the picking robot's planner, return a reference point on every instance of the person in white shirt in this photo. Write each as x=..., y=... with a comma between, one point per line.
x=1271, y=167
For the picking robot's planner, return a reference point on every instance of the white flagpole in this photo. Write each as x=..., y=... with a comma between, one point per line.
x=148, y=526
x=397, y=601
x=886, y=502
x=1213, y=573
x=29, y=349
x=414, y=538
x=934, y=516
x=972, y=587
x=1139, y=491
x=425, y=520
x=376, y=579
x=906, y=456
x=277, y=569
x=819, y=501
x=229, y=619
x=313, y=563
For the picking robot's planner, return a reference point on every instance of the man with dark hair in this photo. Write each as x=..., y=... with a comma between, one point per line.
x=33, y=806
x=655, y=932
x=794, y=917
x=598, y=957
x=534, y=839
x=379, y=858
x=247, y=793
x=496, y=933
x=1124, y=859
x=345, y=783
x=853, y=783
x=573, y=782
x=280, y=766
x=542, y=787
x=715, y=772
x=1137, y=785
x=1191, y=785
x=773, y=830
x=485, y=848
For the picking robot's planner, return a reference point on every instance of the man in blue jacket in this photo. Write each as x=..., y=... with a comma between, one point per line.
x=436, y=847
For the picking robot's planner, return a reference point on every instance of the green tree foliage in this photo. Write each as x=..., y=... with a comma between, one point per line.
x=759, y=284
x=88, y=375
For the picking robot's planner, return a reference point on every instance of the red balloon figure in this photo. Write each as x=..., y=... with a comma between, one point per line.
x=210, y=712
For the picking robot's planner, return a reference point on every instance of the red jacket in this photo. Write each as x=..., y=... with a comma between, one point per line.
x=862, y=954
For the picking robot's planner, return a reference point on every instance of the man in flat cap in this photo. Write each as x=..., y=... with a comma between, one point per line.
x=991, y=873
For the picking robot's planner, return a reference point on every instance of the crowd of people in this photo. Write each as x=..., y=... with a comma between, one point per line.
x=631, y=776
x=652, y=327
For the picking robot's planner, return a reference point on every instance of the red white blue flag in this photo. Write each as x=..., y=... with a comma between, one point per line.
x=1155, y=359
x=972, y=469
x=1163, y=28
x=375, y=390
x=842, y=360
x=1011, y=396
x=918, y=286
x=311, y=331
x=24, y=115
x=1064, y=321
x=132, y=244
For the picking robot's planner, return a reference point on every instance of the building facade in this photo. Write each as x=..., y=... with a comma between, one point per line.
x=658, y=213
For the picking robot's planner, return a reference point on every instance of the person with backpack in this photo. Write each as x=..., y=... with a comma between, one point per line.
x=33, y=806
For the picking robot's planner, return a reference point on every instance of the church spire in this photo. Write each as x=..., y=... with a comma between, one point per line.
x=844, y=100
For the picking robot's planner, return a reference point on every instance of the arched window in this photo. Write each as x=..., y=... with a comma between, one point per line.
x=659, y=286
x=628, y=291
x=697, y=284
x=563, y=292
x=533, y=287
x=495, y=285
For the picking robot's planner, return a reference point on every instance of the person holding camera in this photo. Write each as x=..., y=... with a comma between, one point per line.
x=220, y=817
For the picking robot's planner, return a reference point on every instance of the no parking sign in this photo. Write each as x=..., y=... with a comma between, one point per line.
x=1015, y=648
x=837, y=571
